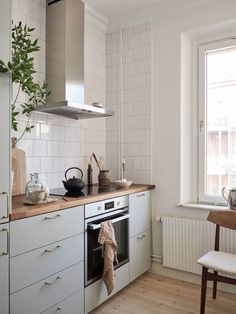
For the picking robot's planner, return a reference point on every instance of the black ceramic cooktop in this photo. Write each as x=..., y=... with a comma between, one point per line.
x=87, y=190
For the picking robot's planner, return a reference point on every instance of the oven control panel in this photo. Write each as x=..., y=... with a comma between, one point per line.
x=102, y=207
x=109, y=205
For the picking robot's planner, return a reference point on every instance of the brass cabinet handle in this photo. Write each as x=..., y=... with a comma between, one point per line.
x=8, y=205
x=141, y=237
x=53, y=250
x=53, y=217
x=7, y=232
x=52, y=282
x=58, y=310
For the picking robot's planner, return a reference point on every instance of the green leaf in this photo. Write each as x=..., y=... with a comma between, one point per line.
x=22, y=71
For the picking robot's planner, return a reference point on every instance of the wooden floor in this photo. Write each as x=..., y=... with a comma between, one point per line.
x=161, y=295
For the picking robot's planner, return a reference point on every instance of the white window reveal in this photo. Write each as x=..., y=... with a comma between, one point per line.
x=217, y=119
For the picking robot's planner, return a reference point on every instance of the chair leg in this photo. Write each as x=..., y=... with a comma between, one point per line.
x=215, y=286
x=203, y=290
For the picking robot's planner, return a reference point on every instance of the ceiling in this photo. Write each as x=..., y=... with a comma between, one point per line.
x=112, y=8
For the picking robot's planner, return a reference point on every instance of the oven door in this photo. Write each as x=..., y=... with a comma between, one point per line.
x=93, y=250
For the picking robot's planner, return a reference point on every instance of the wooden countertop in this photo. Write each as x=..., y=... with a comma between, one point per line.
x=20, y=210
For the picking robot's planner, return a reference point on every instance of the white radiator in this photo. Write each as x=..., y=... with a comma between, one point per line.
x=185, y=240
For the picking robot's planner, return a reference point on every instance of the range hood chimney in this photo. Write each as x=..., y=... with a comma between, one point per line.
x=65, y=61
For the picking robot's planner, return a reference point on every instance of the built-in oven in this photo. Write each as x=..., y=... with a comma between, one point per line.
x=117, y=211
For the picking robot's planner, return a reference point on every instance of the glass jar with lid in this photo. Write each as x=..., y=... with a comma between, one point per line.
x=34, y=189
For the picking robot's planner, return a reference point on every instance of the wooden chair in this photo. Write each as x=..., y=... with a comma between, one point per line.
x=215, y=260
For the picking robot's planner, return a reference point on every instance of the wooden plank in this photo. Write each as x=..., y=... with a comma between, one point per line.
x=19, y=210
x=152, y=293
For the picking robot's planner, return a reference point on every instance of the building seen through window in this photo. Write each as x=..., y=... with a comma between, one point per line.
x=220, y=111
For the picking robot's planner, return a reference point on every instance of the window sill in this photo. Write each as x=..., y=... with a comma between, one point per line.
x=203, y=206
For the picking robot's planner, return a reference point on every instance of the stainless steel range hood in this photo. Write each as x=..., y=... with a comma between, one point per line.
x=65, y=61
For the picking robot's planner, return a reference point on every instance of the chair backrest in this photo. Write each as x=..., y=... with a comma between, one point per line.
x=222, y=218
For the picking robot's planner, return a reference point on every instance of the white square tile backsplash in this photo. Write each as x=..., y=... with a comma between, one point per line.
x=136, y=101
x=57, y=143
x=40, y=148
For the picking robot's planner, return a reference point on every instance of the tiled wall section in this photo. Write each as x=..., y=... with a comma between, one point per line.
x=57, y=143
x=137, y=103
x=113, y=61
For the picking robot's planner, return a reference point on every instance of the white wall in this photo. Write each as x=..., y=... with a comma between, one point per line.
x=168, y=102
x=57, y=143
x=171, y=23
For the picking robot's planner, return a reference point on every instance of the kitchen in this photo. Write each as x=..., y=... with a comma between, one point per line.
x=139, y=94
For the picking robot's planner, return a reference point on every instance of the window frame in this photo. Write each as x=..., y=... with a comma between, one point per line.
x=202, y=50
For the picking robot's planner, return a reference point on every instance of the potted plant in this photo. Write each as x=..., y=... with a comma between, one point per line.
x=22, y=70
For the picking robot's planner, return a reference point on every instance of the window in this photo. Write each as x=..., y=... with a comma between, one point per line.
x=217, y=119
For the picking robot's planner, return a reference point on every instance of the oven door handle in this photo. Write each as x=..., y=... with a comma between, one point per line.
x=120, y=218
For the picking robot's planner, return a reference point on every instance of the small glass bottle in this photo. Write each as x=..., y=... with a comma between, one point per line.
x=34, y=189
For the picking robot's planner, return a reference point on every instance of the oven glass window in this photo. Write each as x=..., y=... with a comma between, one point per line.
x=94, y=249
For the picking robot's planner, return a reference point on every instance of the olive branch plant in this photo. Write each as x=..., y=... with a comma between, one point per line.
x=22, y=70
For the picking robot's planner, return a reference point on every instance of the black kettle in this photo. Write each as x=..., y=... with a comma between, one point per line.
x=73, y=184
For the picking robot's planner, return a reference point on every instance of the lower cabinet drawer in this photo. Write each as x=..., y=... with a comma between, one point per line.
x=72, y=305
x=96, y=293
x=41, y=296
x=140, y=254
x=35, y=232
x=31, y=267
